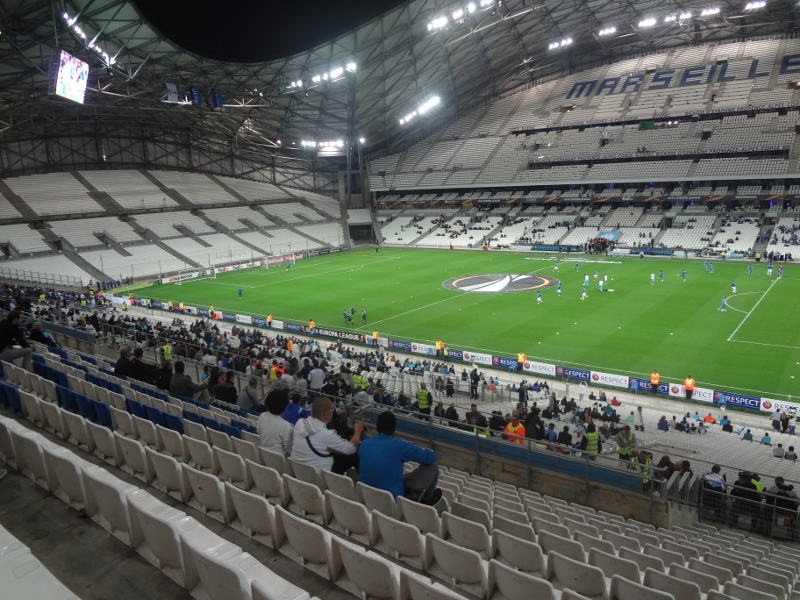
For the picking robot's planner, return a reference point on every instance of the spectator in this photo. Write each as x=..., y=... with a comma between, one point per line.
x=248, y=398
x=626, y=442
x=565, y=438
x=638, y=419
x=225, y=391
x=42, y=337
x=316, y=379
x=714, y=480
x=790, y=454
x=766, y=440
x=663, y=424
x=514, y=430
x=11, y=333
x=776, y=420
x=181, y=385
x=783, y=498
x=778, y=451
x=475, y=417
x=139, y=369
x=162, y=377
x=748, y=436
x=275, y=431
x=709, y=420
x=314, y=444
x=746, y=503
x=451, y=414
x=381, y=460
x=122, y=368
x=296, y=409
x=591, y=442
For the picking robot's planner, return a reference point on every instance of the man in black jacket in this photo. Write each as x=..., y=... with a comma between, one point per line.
x=11, y=334
x=181, y=385
x=225, y=391
x=123, y=366
x=139, y=369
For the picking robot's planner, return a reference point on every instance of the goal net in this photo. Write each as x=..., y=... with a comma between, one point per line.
x=186, y=275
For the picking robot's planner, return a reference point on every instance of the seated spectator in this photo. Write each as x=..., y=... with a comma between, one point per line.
x=663, y=424
x=296, y=409
x=790, y=454
x=225, y=391
x=381, y=460
x=138, y=369
x=709, y=420
x=122, y=368
x=275, y=431
x=181, y=385
x=38, y=334
x=564, y=439
x=162, y=377
x=714, y=480
x=778, y=451
x=249, y=397
x=766, y=440
x=748, y=436
x=451, y=414
x=314, y=444
x=11, y=335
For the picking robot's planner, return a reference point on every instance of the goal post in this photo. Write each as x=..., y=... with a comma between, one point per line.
x=186, y=275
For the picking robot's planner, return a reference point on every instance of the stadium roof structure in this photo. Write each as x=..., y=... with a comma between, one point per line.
x=357, y=85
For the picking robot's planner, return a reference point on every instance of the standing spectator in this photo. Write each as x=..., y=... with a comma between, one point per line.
x=638, y=419
x=474, y=379
x=249, y=397
x=626, y=442
x=776, y=420
x=275, y=431
x=381, y=460
x=139, y=369
x=591, y=442
x=314, y=444
x=565, y=439
x=11, y=333
x=515, y=431
x=316, y=379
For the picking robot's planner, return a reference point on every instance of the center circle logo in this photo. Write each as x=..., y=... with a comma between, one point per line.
x=500, y=283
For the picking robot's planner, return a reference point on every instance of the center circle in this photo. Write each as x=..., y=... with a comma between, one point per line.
x=500, y=283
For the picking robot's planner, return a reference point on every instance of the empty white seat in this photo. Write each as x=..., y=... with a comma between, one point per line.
x=467, y=534
x=643, y=560
x=266, y=589
x=155, y=533
x=208, y=494
x=232, y=468
x=306, y=543
x=275, y=460
x=399, y=540
x=721, y=574
x=306, y=473
x=146, y=432
x=756, y=583
x=589, y=541
x=76, y=431
x=622, y=541
x=341, y=485
x=506, y=583
x=269, y=482
x=254, y=516
x=31, y=409
x=364, y=574
x=106, y=502
x=246, y=449
x=375, y=499
x=54, y=422
x=667, y=556
x=564, y=572
x=551, y=542
x=200, y=455
x=7, y=452
x=122, y=423
x=29, y=455
x=784, y=578
x=681, y=589
x=741, y=592
x=517, y=527
x=306, y=500
x=219, y=439
x=471, y=513
x=682, y=548
x=624, y=589
x=612, y=565
x=524, y=555
x=168, y=476
x=704, y=581
x=734, y=566
x=194, y=430
x=171, y=442
x=423, y=517
x=414, y=587
x=133, y=459
x=65, y=473
x=458, y=566
x=350, y=518
x=105, y=446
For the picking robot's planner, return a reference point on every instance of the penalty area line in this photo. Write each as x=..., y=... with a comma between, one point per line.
x=750, y=312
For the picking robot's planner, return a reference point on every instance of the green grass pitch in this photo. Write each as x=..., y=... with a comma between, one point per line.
x=673, y=326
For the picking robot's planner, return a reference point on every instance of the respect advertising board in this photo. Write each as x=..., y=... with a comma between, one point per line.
x=477, y=357
x=504, y=362
x=539, y=367
x=611, y=379
x=644, y=385
x=573, y=373
x=769, y=405
x=737, y=400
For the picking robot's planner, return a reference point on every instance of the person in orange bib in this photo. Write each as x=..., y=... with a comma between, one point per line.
x=688, y=385
x=311, y=326
x=269, y=320
x=515, y=431
x=655, y=379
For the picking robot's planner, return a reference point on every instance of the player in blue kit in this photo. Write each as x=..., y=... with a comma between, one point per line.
x=661, y=275
x=240, y=292
x=539, y=298
x=733, y=287
x=750, y=269
x=683, y=275
x=724, y=306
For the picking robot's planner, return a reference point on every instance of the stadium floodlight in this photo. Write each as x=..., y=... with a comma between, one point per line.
x=471, y=7
x=336, y=73
x=316, y=78
x=430, y=103
x=437, y=23
x=755, y=5
x=90, y=44
x=648, y=22
x=487, y=3
x=559, y=44
x=711, y=10
x=362, y=140
x=350, y=67
x=607, y=31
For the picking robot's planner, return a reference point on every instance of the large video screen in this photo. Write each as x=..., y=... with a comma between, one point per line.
x=72, y=76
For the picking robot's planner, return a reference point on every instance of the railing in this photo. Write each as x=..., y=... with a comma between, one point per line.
x=53, y=279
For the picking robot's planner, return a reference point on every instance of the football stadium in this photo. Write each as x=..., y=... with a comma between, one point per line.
x=399, y=300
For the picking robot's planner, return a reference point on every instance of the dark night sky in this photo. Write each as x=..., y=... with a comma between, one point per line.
x=257, y=30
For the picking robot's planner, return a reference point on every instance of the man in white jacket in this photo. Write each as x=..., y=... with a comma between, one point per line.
x=314, y=444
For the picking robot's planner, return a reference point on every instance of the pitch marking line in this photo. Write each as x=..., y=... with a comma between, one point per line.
x=739, y=294
x=750, y=312
x=765, y=344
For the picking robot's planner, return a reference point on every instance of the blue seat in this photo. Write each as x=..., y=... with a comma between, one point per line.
x=155, y=415
x=231, y=430
x=211, y=423
x=88, y=359
x=66, y=397
x=103, y=413
x=85, y=407
x=136, y=408
x=173, y=422
x=192, y=416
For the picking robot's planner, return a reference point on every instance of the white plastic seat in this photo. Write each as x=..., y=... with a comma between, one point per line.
x=625, y=589
x=399, y=540
x=65, y=473
x=680, y=588
x=375, y=499
x=734, y=566
x=611, y=565
x=7, y=452
x=31, y=409
x=171, y=442
x=350, y=518
x=133, y=459
x=49, y=391
x=275, y=460
x=146, y=432
x=622, y=541
x=682, y=548
x=306, y=473
x=458, y=566
x=254, y=516
x=268, y=482
x=122, y=423
x=200, y=455
x=642, y=537
x=564, y=572
x=208, y=494
x=232, y=468
x=506, y=583
x=721, y=574
x=155, y=533
x=214, y=569
x=414, y=587
x=105, y=446
x=704, y=582
x=467, y=534
x=742, y=592
x=471, y=513
x=219, y=439
x=194, y=430
x=550, y=542
x=106, y=502
x=341, y=485
x=364, y=574
x=53, y=421
x=643, y=560
x=589, y=541
x=306, y=543
x=523, y=555
x=306, y=500
x=423, y=517
x=76, y=428
x=540, y=525
x=667, y=556
x=29, y=455
x=168, y=476
x=770, y=573
x=246, y=449
x=757, y=583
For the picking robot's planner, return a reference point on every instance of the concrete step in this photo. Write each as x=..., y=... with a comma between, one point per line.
x=17, y=202
x=168, y=191
x=86, y=265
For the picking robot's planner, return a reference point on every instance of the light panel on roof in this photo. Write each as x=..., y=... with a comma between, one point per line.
x=559, y=44
x=755, y=5
x=649, y=22
x=421, y=109
x=711, y=10
x=607, y=31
